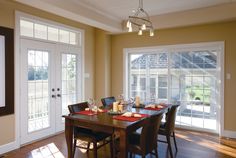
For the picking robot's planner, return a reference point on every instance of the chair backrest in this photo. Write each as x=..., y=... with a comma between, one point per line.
x=77, y=107
x=108, y=101
x=170, y=119
x=149, y=133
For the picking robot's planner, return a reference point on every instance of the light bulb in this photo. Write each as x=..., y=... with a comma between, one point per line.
x=143, y=26
x=140, y=32
x=151, y=32
x=130, y=29
x=128, y=24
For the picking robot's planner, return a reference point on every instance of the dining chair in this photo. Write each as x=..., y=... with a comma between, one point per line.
x=89, y=135
x=145, y=142
x=108, y=101
x=167, y=128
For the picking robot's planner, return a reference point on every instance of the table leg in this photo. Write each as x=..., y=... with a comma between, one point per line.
x=69, y=137
x=123, y=144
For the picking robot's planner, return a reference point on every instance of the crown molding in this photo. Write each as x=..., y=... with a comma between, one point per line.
x=77, y=13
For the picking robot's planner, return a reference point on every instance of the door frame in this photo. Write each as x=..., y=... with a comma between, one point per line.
x=17, y=62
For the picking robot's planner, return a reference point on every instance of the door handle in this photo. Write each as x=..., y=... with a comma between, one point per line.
x=58, y=95
x=53, y=96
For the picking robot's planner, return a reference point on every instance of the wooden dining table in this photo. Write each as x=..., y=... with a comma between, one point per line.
x=104, y=122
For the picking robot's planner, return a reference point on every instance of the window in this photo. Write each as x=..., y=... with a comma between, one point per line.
x=43, y=31
x=185, y=75
x=2, y=71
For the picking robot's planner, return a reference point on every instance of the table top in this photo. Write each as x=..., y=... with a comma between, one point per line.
x=106, y=119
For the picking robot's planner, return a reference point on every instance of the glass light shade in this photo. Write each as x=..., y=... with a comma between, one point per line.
x=128, y=24
x=151, y=32
x=140, y=32
x=143, y=27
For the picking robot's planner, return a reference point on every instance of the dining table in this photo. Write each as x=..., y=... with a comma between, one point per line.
x=105, y=122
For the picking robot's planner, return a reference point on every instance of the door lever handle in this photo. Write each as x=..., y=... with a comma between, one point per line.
x=58, y=95
x=53, y=96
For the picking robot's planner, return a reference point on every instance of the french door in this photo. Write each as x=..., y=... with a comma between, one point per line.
x=49, y=82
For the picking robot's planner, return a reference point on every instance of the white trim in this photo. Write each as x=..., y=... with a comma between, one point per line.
x=2, y=71
x=17, y=79
x=229, y=134
x=17, y=64
x=8, y=147
x=184, y=47
x=125, y=73
x=222, y=89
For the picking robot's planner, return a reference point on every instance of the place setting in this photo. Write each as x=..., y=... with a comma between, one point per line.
x=93, y=108
x=124, y=114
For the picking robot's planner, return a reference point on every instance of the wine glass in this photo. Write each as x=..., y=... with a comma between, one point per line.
x=121, y=98
x=91, y=103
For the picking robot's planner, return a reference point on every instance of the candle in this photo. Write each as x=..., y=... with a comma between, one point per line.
x=115, y=106
x=137, y=100
x=120, y=107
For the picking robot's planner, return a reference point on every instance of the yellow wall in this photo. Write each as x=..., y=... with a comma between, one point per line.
x=103, y=65
x=7, y=19
x=203, y=33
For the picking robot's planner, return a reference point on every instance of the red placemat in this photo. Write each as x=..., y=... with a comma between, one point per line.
x=89, y=112
x=157, y=109
x=86, y=112
x=130, y=119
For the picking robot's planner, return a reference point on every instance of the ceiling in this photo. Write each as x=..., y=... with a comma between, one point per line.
x=110, y=14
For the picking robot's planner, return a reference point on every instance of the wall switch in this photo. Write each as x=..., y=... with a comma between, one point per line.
x=228, y=76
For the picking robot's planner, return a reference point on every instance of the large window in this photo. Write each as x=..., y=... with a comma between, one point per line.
x=185, y=75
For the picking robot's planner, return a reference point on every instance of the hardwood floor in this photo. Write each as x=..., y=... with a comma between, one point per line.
x=190, y=145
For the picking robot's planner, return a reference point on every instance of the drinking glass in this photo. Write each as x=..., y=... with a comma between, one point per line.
x=91, y=103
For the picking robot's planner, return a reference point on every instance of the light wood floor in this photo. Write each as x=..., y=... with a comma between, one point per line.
x=190, y=144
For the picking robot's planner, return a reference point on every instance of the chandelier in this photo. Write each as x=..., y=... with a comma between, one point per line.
x=140, y=21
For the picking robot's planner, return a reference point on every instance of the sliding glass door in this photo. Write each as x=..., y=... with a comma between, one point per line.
x=189, y=77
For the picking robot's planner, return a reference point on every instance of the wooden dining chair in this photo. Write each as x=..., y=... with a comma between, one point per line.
x=89, y=135
x=168, y=128
x=108, y=101
x=145, y=142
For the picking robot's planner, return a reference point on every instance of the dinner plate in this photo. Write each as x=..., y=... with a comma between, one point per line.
x=111, y=112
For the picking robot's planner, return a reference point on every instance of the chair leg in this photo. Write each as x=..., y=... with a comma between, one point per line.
x=95, y=149
x=175, y=141
x=111, y=147
x=74, y=147
x=156, y=153
x=169, y=145
x=130, y=155
x=88, y=146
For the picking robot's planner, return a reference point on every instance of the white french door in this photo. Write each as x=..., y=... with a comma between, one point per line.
x=50, y=80
x=68, y=81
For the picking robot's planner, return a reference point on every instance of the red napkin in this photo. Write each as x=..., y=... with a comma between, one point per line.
x=130, y=119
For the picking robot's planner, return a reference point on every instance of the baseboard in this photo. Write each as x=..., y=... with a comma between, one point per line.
x=8, y=147
x=229, y=134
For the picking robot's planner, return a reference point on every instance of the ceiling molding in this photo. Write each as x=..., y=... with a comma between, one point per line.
x=81, y=12
x=76, y=13
x=213, y=14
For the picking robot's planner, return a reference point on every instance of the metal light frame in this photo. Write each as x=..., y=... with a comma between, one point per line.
x=140, y=21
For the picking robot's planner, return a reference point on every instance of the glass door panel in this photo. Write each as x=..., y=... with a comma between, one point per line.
x=38, y=90
x=69, y=81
